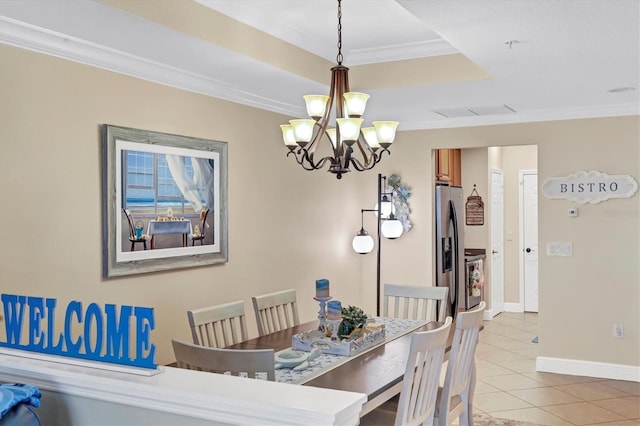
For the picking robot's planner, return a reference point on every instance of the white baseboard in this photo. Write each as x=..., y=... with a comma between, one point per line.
x=576, y=367
x=513, y=307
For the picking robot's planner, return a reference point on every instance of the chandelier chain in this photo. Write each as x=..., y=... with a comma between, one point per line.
x=339, y=56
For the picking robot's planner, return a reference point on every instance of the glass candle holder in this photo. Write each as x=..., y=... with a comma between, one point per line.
x=335, y=325
x=322, y=313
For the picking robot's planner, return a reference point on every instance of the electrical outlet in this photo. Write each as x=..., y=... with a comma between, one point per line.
x=618, y=331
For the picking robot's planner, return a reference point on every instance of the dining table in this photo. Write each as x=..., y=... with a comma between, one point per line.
x=376, y=372
x=164, y=227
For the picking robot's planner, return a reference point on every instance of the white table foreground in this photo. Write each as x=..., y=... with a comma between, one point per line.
x=84, y=396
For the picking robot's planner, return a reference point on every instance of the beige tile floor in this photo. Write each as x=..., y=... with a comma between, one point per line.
x=509, y=387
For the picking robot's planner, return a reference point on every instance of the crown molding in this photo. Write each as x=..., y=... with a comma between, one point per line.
x=37, y=39
x=399, y=52
x=30, y=37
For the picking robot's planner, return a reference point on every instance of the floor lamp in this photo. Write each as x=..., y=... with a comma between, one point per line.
x=387, y=226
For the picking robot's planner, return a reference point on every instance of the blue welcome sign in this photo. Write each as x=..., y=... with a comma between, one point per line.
x=115, y=334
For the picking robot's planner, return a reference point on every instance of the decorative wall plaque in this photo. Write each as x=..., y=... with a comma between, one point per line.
x=590, y=187
x=116, y=334
x=474, y=207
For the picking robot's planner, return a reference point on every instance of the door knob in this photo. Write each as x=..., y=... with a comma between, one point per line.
x=528, y=250
x=493, y=252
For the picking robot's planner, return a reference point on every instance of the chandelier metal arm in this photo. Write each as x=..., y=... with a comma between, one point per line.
x=306, y=160
x=299, y=157
x=357, y=164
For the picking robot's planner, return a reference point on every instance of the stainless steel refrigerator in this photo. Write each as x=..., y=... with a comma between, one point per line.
x=449, y=212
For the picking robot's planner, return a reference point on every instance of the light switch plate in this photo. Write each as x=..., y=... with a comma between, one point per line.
x=559, y=249
x=573, y=212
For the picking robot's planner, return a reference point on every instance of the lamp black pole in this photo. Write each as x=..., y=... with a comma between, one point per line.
x=378, y=211
x=379, y=216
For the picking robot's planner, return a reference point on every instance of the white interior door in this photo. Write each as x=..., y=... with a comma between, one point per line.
x=529, y=239
x=497, y=241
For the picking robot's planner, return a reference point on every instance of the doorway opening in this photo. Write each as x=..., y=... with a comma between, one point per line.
x=475, y=168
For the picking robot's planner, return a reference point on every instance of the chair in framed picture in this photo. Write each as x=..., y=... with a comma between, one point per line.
x=135, y=232
x=199, y=232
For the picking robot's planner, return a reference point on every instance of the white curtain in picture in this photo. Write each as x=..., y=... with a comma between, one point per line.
x=203, y=176
x=193, y=188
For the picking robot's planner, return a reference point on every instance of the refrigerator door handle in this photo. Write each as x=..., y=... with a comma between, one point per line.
x=456, y=254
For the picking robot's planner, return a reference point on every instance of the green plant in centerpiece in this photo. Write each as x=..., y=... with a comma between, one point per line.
x=352, y=318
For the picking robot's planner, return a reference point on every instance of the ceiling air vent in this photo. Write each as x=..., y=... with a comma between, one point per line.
x=474, y=111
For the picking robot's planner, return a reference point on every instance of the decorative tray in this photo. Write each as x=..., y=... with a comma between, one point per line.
x=313, y=339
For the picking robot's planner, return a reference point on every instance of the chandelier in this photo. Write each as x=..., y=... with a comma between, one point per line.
x=351, y=144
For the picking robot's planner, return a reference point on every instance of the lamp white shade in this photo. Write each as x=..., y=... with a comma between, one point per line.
x=316, y=105
x=392, y=229
x=385, y=131
x=349, y=129
x=303, y=129
x=369, y=134
x=287, y=135
x=362, y=243
x=355, y=103
x=386, y=209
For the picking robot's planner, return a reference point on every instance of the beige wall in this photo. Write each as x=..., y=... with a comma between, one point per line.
x=288, y=227
x=582, y=296
x=474, y=172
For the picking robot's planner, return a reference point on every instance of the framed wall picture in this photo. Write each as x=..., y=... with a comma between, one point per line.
x=164, y=201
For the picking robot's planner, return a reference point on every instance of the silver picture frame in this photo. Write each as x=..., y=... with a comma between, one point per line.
x=195, y=158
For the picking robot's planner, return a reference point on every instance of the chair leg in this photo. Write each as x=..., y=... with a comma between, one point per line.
x=132, y=245
x=466, y=416
x=144, y=243
x=470, y=392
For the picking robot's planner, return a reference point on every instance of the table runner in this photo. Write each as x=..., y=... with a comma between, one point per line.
x=394, y=328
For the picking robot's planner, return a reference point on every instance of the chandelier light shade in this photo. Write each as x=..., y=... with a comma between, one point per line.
x=350, y=145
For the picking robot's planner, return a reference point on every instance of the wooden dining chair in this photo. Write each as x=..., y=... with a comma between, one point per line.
x=276, y=311
x=218, y=326
x=455, y=396
x=253, y=363
x=417, y=404
x=415, y=302
x=132, y=232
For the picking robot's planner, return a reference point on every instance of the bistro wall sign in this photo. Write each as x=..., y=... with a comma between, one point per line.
x=590, y=187
x=119, y=335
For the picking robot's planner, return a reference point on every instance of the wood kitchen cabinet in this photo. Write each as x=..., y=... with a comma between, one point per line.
x=448, y=166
